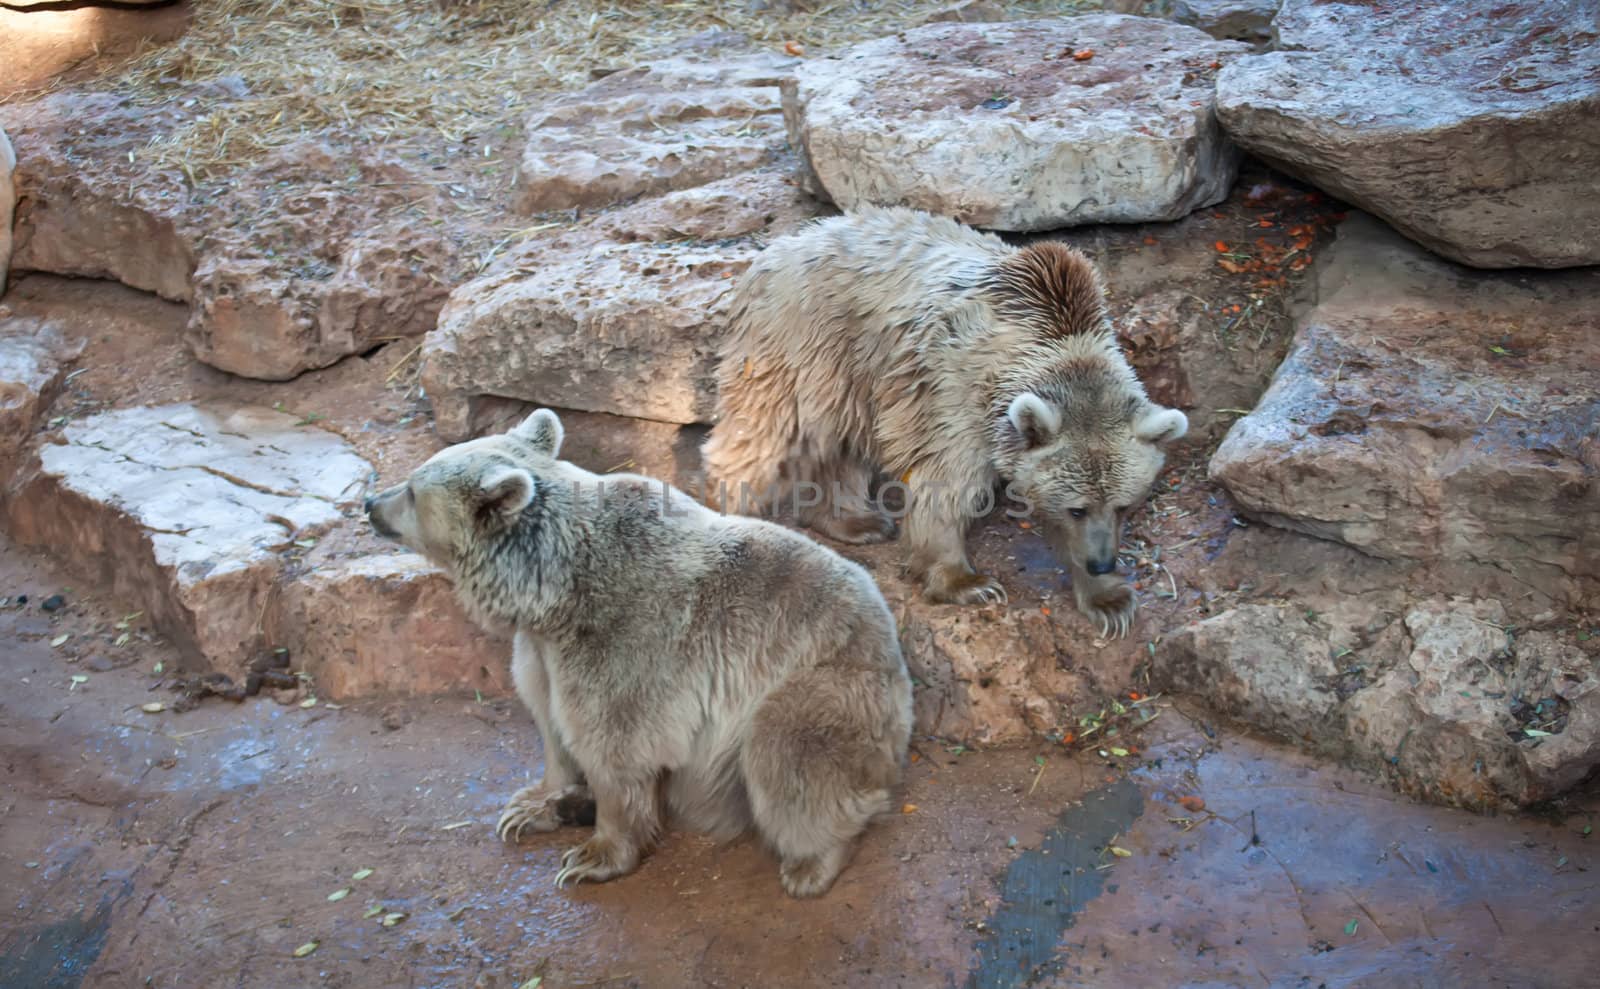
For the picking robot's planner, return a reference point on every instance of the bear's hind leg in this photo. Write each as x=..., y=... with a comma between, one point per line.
x=819, y=762
x=846, y=512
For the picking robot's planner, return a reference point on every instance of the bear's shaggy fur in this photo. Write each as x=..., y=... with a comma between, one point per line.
x=722, y=669
x=894, y=340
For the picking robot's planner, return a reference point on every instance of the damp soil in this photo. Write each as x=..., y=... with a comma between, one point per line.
x=202, y=848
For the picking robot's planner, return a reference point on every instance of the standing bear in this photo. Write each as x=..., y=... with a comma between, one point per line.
x=894, y=340
x=724, y=670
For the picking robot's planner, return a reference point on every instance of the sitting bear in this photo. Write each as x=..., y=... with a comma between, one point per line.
x=723, y=670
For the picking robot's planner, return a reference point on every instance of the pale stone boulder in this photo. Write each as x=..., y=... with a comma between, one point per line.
x=1023, y=125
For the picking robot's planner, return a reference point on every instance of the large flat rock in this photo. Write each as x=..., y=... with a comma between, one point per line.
x=621, y=315
x=331, y=260
x=1473, y=126
x=1431, y=412
x=188, y=510
x=1005, y=126
x=659, y=127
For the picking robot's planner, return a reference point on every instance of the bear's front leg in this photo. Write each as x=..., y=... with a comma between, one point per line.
x=627, y=821
x=935, y=530
x=562, y=797
x=1106, y=600
x=545, y=808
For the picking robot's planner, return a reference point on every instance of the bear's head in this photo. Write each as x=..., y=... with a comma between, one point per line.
x=466, y=496
x=1081, y=454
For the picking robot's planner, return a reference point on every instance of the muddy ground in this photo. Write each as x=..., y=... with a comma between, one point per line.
x=201, y=849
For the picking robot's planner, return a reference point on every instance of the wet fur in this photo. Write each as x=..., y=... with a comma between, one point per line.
x=892, y=340
x=724, y=670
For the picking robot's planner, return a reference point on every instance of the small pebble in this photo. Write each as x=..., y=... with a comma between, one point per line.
x=54, y=602
x=22, y=599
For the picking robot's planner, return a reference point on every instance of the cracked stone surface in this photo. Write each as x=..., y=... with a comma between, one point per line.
x=1430, y=412
x=1452, y=701
x=1001, y=126
x=1473, y=126
x=190, y=510
x=654, y=128
x=33, y=360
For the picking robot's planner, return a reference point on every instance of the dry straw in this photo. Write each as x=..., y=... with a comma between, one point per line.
x=380, y=71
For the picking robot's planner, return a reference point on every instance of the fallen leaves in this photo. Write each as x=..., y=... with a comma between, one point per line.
x=154, y=707
x=1119, y=851
x=908, y=809
x=391, y=919
x=1192, y=804
x=306, y=949
x=338, y=894
x=361, y=874
x=77, y=678
x=60, y=640
x=1350, y=928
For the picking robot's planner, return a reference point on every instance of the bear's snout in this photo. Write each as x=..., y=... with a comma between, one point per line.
x=1099, y=568
x=371, y=506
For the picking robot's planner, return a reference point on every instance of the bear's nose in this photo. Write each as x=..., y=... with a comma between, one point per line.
x=1100, y=568
x=366, y=504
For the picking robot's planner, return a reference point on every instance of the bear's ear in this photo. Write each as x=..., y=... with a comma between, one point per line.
x=504, y=491
x=542, y=431
x=1160, y=426
x=1034, y=419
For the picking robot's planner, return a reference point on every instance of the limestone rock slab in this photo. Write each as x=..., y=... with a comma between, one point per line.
x=1015, y=126
x=1473, y=126
x=8, y=204
x=189, y=510
x=620, y=315
x=1431, y=412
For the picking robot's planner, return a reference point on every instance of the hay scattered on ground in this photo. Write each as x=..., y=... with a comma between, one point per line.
x=379, y=71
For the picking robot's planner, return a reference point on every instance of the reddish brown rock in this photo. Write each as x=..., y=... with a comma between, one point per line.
x=1429, y=412
x=385, y=625
x=316, y=274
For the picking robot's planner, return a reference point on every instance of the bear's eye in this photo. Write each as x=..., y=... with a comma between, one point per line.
x=1077, y=513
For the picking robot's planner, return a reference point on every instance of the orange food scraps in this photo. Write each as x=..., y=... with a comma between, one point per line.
x=1222, y=247
x=794, y=48
x=1083, y=55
